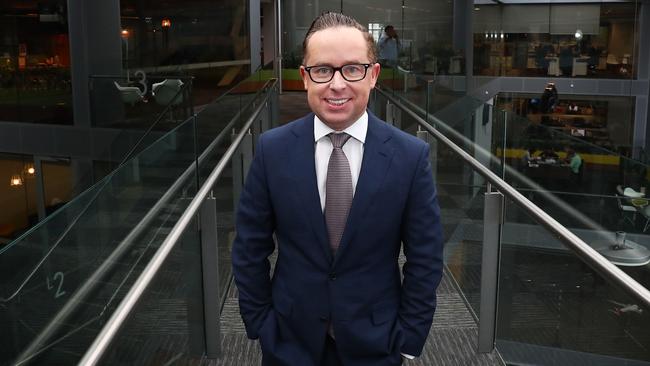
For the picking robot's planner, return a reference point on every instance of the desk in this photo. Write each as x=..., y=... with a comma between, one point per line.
x=551, y=174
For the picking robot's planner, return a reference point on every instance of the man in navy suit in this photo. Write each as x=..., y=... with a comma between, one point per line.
x=336, y=296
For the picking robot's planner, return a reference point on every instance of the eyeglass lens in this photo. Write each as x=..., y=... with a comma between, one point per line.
x=349, y=72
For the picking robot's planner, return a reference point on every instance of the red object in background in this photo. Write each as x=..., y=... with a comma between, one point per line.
x=61, y=48
x=22, y=56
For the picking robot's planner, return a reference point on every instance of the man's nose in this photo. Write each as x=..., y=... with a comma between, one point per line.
x=338, y=82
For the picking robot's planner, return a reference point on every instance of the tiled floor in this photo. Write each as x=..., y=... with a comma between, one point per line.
x=452, y=339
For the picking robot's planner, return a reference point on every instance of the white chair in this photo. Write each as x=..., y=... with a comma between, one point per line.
x=626, y=209
x=165, y=91
x=129, y=94
x=409, y=80
x=631, y=193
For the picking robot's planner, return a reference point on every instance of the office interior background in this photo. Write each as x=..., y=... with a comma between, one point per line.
x=54, y=54
x=77, y=81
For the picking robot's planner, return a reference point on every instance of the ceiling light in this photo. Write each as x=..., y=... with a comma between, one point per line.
x=29, y=169
x=578, y=34
x=16, y=180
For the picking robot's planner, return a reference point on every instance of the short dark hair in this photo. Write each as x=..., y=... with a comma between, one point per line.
x=386, y=28
x=333, y=20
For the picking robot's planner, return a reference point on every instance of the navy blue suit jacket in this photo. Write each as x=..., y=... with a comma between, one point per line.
x=374, y=314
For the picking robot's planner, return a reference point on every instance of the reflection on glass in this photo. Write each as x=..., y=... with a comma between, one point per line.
x=35, y=64
x=58, y=184
x=167, y=325
x=190, y=39
x=562, y=40
x=606, y=122
x=574, y=160
x=423, y=32
x=17, y=197
x=554, y=309
x=86, y=255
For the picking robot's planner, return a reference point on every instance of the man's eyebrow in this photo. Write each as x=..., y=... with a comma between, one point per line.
x=342, y=64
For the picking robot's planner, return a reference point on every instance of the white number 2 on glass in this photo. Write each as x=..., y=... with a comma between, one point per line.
x=50, y=285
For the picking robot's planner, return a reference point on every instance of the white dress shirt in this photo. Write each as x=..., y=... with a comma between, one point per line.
x=353, y=150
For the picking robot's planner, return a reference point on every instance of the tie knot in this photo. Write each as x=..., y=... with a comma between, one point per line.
x=339, y=139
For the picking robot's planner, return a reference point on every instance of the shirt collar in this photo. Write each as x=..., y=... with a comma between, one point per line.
x=357, y=130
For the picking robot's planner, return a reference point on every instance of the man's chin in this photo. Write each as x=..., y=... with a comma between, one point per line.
x=337, y=122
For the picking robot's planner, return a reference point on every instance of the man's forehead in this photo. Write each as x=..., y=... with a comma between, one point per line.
x=351, y=39
x=351, y=32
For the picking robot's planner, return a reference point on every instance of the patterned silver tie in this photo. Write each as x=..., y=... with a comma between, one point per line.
x=338, y=190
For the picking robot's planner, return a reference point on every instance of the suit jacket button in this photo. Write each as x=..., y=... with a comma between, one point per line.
x=332, y=276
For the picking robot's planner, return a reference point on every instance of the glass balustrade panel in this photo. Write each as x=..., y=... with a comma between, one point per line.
x=554, y=309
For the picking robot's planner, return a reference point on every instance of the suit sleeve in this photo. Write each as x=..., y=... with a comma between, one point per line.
x=252, y=246
x=423, y=248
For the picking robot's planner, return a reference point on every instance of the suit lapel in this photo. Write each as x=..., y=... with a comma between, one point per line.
x=377, y=155
x=304, y=171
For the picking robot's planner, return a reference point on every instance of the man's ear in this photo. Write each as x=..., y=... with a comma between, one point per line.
x=304, y=76
x=374, y=73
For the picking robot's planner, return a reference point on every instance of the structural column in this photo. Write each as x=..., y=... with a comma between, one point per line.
x=95, y=48
x=642, y=108
x=463, y=37
x=255, y=34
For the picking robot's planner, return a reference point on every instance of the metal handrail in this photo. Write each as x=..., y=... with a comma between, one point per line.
x=72, y=304
x=549, y=195
x=107, y=179
x=153, y=76
x=584, y=252
x=125, y=308
x=149, y=215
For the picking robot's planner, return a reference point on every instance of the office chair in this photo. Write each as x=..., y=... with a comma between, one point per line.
x=166, y=93
x=129, y=94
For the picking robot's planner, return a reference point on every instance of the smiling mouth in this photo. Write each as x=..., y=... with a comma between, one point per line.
x=337, y=102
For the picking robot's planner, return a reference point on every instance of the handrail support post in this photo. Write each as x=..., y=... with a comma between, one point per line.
x=393, y=115
x=247, y=152
x=492, y=225
x=210, y=270
x=433, y=149
x=237, y=181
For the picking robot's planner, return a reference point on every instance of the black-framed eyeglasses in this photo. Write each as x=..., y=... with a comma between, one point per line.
x=323, y=73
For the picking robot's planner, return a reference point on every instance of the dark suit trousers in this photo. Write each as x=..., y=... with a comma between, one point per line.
x=331, y=354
